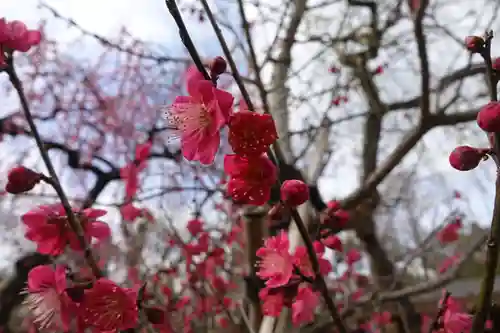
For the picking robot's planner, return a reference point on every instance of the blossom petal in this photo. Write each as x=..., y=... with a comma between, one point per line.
x=193, y=78
x=190, y=143
x=92, y=213
x=40, y=277
x=206, y=153
x=34, y=219
x=99, y=230
x=225, y=101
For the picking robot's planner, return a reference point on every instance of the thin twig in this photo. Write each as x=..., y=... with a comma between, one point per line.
x=485, y=297
x=186, y=39
x=54, y=180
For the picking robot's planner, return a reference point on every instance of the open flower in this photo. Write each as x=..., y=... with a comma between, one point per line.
x=455, y=320
x=251, y=178
x=251, y=133
x=304, y=305
x=109, y=307
x=16, y=36
x=199, y=117
x=303, y=263
x=49, y=305
x=276, y=263
x=272, y=302
x=48, y=226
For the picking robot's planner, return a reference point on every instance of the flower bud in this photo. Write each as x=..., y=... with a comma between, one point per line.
x=474, y=43
x=334, y=205
x=496, y=64
x=333, y=69
x=335, y=216
x=333, y=242
x=294, y=192
x=21, y=179
x=195, y=227
x=218, y=66
x=379, y=70
x=488, y=118
x=466, y=158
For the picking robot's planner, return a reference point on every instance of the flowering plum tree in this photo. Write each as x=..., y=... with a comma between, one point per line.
x=238, y=143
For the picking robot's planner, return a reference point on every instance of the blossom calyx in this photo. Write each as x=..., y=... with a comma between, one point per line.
x=466, y=158
x=21, y=179
x=294, y=192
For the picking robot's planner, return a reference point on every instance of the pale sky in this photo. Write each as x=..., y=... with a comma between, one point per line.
x=148, y=20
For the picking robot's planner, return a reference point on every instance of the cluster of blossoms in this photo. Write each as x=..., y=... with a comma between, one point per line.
x=206, y=285
x=58, y=304
x=58, y=300
x=62, y=300
x=290, y=279
x=199, y=119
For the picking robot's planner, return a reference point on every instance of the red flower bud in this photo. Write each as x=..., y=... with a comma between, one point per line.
x=218, y=66
x=334, y=69
x=474, y=43
x=21, y=179
x=489, y=117
x=379, y=70
x=333, y=242
x=496, y=64
x=294, y=192
x=465, y=158
x=342, y=216
x=334, y=205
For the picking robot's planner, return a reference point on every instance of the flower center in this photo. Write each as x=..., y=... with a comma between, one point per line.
x=45, y=308
x=63, y=221
x=194, y=118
